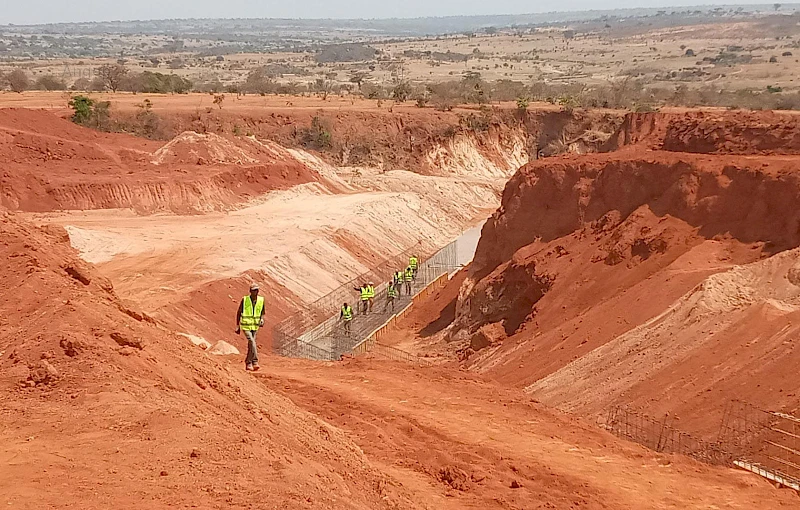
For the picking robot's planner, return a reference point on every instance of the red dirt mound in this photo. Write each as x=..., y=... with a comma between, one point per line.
x=52, y=164
x=711, y=132
x=99, y=404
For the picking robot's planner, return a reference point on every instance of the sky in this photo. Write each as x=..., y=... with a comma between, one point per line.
x=54, y=11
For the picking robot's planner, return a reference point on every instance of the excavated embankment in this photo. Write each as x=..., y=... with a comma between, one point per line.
x=590, y=283
x=96, y=395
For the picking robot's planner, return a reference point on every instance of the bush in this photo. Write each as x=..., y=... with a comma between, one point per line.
x=50, y=82
x=402, y=91
x=17, y=81
x=90, y=113
x=318, y=136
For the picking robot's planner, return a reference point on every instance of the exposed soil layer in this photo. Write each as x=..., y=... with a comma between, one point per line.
x=100, y=404
x=52, y=164
x=615, y=279
x=711, y=132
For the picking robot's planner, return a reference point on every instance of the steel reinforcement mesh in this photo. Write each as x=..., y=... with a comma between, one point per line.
x=315, y=331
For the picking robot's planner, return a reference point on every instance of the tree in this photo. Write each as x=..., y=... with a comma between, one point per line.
x=82, y=109
x=112, y=75
x=90, y=113
x=17, y=80
x=401, y=91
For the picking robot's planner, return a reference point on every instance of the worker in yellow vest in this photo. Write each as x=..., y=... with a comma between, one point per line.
x=249, y=318
x=413, y=263
x=409, y=277
x=346, y=316
x=391, y=294
x=398, y=281
x=371, y=293
x=364, y=295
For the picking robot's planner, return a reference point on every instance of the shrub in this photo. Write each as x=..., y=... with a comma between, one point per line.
x=17, y=80
x=318, y=136
x=50, y=82
x=90, y=113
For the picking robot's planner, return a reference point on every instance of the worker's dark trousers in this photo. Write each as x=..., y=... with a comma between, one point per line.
x=364, y=304
x=389, y=302
x=252, y=348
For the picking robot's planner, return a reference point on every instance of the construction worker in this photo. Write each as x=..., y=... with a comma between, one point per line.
x=346, y=316
x=371, y=292
x=413, y=263
x=409, y=277
x=364, y=294
x=249, y=318
x=398, y=279
x=391, y=294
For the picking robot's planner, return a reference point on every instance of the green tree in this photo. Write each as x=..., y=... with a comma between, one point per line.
x=82, y=109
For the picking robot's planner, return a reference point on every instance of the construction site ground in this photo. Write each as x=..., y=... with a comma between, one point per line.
x=126, y=258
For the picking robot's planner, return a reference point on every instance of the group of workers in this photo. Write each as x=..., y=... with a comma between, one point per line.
x=394, y=288
x=250, y=315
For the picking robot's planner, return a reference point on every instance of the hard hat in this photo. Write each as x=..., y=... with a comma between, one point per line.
x=253, y=286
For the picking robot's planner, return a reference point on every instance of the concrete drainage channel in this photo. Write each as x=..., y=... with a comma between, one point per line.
x=315, y=332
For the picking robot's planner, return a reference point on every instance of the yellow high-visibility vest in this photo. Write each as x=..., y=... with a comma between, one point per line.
x=370, y=291
x=413, y=262
x=364, y=293
x=347, y=313
x=251, y=316
x=409, y=274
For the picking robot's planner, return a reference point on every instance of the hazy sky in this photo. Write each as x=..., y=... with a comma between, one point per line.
x=47, y=11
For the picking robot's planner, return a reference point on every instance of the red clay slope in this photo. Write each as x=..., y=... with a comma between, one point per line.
x=49, y=163
x=583, y=250
x=709, y=132
x=99, y=406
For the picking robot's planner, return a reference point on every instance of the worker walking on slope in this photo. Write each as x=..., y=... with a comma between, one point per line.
x=398, y=279
x=391, y=294
x=409, y=277
x=249, y=318
x=364, y=295
x=413, y=263
x=371, y=295
x=346, y=316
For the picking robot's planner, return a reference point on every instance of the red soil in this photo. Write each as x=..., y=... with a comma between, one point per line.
x=52, y=164
x=585, y=250
x=711, y=132
x=101, y=406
